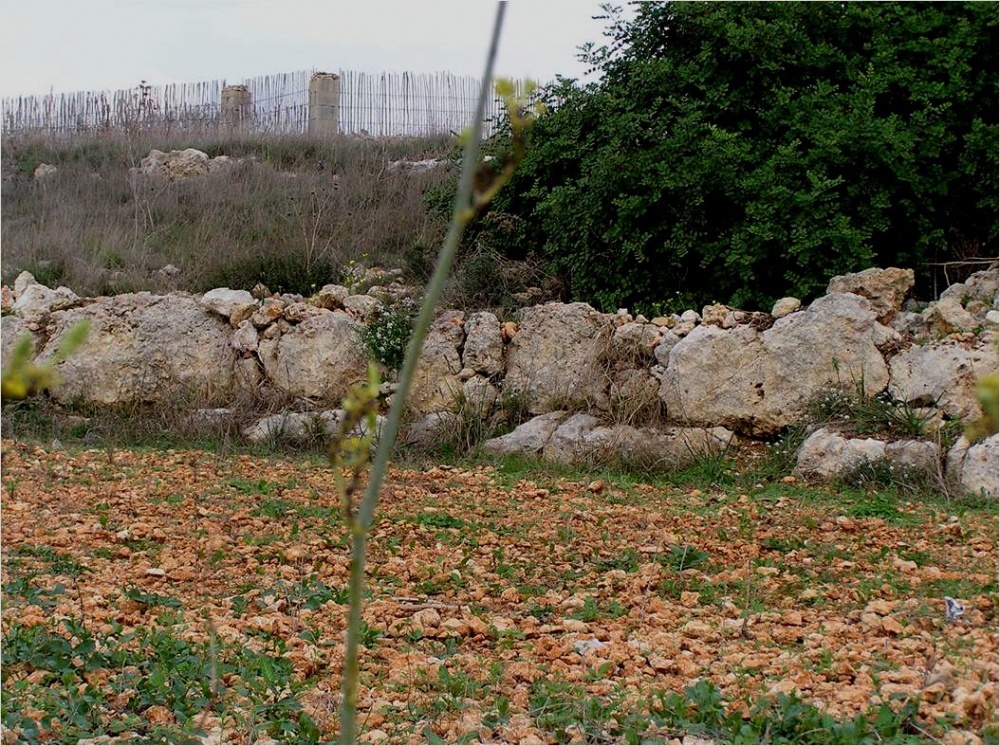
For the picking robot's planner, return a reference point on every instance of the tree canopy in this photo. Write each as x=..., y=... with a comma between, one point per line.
x=739, y=152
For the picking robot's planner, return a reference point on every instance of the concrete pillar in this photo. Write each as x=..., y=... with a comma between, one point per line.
x=324, y=104
x=237, y=107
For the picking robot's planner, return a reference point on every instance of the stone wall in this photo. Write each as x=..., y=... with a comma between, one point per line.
x=661, y=390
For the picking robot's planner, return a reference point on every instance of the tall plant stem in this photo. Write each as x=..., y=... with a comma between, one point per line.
x=387, y=439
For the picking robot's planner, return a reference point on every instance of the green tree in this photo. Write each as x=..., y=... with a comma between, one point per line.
x=743, y=151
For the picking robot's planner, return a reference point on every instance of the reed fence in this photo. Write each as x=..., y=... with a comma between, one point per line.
x=379, y=104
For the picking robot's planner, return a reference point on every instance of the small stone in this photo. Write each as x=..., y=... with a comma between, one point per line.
x=269, y=311
x=871, y=621
x=792, y=618
x=659, y=663
x=785, y=306
x=156, y=572
x=690, y=599
x=574, y=625
x=425, y=619
x=892, y=626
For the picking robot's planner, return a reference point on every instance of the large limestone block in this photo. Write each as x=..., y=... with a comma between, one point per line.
x=436, y=382
x=319, y=358
x=759, y=382
x=483, y=351
x=557, y=356
x=527, y=438
x=582, y=439
x=835, y=340
x=569, y=442
x=827, y=454
x=886, y=289
x=976, y=468
x=12, y=328
x=143, y=347
x=943, y=374
x=716, y=376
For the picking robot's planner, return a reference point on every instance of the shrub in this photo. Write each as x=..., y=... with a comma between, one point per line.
x=386, y=337
x=747, y=151
x=289, y=272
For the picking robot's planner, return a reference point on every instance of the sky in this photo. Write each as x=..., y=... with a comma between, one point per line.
x=74, y=45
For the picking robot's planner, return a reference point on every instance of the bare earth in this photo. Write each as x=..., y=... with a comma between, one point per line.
x=496, y=597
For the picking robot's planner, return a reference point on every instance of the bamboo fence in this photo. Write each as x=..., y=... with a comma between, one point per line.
x=380, y=104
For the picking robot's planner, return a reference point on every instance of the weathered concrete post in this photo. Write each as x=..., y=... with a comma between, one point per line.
x=324, y=104
x=236, y=108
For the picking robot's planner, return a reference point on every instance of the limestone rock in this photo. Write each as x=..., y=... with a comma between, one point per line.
x=332, y=296
x=886, y=289
x=716, y=376
x=483, y=344
x=245, y=337
x=432, y=429
x=283, y=426
x=943, y=374
x=715, y=315
x=917, y=455
x=568, y=442
x=480, y=395
x=527, y=438
x=785, y=306
x=177, y=164
x=759, y=382
x=298, y=312
x=269, y=312
x=556, y=356
x=229, y=303
x=331, y=420
x=12, y=328
x=582, y=439
x=947, y=316
x=22, y=282
x=826, y=454
x=983, y=286
x=319, y=358
x=437, y=381
x=362, y=307
x=35, y=302
x=215, y=419
x=634, y=343
x=45, y=171
x=976, y=468
x=143, y=347
x=667, y=343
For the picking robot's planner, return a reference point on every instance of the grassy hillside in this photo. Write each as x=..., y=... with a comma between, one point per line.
x=293, y=214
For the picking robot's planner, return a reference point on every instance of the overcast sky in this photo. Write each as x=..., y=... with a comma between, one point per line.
x=71, y=45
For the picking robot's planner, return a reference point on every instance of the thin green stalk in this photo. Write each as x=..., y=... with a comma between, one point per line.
x=387, y=439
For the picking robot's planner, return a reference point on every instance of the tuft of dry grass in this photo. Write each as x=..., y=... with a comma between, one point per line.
x=295, y=212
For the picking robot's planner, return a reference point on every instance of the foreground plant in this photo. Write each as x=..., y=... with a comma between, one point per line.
x=23, y=378
x=477, y=185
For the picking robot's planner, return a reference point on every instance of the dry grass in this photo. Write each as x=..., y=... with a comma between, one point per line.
x=295, y=213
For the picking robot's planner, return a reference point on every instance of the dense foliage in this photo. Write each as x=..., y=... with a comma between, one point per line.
x=739, y=152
